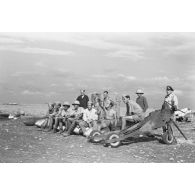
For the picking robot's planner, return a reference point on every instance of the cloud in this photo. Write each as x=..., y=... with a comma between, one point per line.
x=161, y=78
x=178, y=92
x=68, y=84
x=113, y=49
x=8, y=40
x=26, y=73
x=35, y=50
x=104, y=61
x=131, y=78
x=100, y=76
x=190, y=77
x=100, y=41
x=41, y=64
x=54, y=85
x=133, y=54
x=20, y=73
x=185, y=49
x=28, y=92
x=61, y=73
x=113, y=76
x=51, y=93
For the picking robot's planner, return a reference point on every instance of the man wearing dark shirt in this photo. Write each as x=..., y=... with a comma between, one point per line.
x=83, y=99
x=141, y=100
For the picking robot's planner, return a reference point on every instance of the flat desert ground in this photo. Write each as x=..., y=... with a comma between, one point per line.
x=23, y=144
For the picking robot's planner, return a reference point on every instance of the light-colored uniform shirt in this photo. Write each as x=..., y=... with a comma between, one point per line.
x=65, y=113
x=142, y=101
x=77, y=112
x=135, y=108
x=90, y=115
x=172, y=100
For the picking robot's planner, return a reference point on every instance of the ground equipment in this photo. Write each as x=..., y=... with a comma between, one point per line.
x=157, y=119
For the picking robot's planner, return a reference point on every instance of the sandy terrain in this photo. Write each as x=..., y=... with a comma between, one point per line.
x=19, y=143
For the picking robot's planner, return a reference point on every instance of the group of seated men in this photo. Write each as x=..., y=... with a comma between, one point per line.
x=64, y=119
x=84, y=114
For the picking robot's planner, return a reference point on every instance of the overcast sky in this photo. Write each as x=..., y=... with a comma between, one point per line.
x=42, y=67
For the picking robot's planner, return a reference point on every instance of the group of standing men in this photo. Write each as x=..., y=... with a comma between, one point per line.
x=101, y=114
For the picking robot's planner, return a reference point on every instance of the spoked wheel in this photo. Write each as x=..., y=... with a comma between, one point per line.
x=95, y=136
x=168, y=137
x=113, y=144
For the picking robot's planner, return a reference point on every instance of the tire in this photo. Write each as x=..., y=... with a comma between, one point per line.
x=113, y=136
x=168, y=138
x=93, y=136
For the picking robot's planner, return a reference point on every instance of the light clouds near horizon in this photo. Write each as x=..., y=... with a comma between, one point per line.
x=43, y=67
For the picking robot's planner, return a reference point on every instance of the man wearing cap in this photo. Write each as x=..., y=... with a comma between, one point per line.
x=74, y=119
x=134, y=112
x=83, y=99
x=62, y=117
x=141, y=100
x=171, y=100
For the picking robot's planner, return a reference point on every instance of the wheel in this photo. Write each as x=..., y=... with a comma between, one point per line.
x=112, y=136
x=95, y=136
x=168, y=138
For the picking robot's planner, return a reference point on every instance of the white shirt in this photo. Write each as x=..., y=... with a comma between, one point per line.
x=65, y=113
x=172, y=100
x=77, y=112
x=90, y=115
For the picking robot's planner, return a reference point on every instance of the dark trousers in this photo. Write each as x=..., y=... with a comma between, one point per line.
x=51, y=122
x=72, y=123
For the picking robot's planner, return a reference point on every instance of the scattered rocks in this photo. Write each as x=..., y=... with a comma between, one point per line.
x=19, y=143
x=6, y=148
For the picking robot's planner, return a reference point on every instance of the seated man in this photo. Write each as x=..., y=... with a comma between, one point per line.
x=53, y=115
x=50, y=108
x=74, y=119
x=89, y=118
x=110, y=119
x=134, y=112
x=62, y=117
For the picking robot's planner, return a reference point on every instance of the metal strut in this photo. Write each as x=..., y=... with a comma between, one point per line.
x=179, y=129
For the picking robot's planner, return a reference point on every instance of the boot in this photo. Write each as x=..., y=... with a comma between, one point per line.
x=62, y=130
x=55, y=130
x=65, y=134
x=47, y=130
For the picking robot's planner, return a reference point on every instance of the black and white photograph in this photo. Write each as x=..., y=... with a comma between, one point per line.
x=97, y=97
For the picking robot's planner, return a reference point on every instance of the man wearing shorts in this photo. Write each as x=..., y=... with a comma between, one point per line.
x=110, y=119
